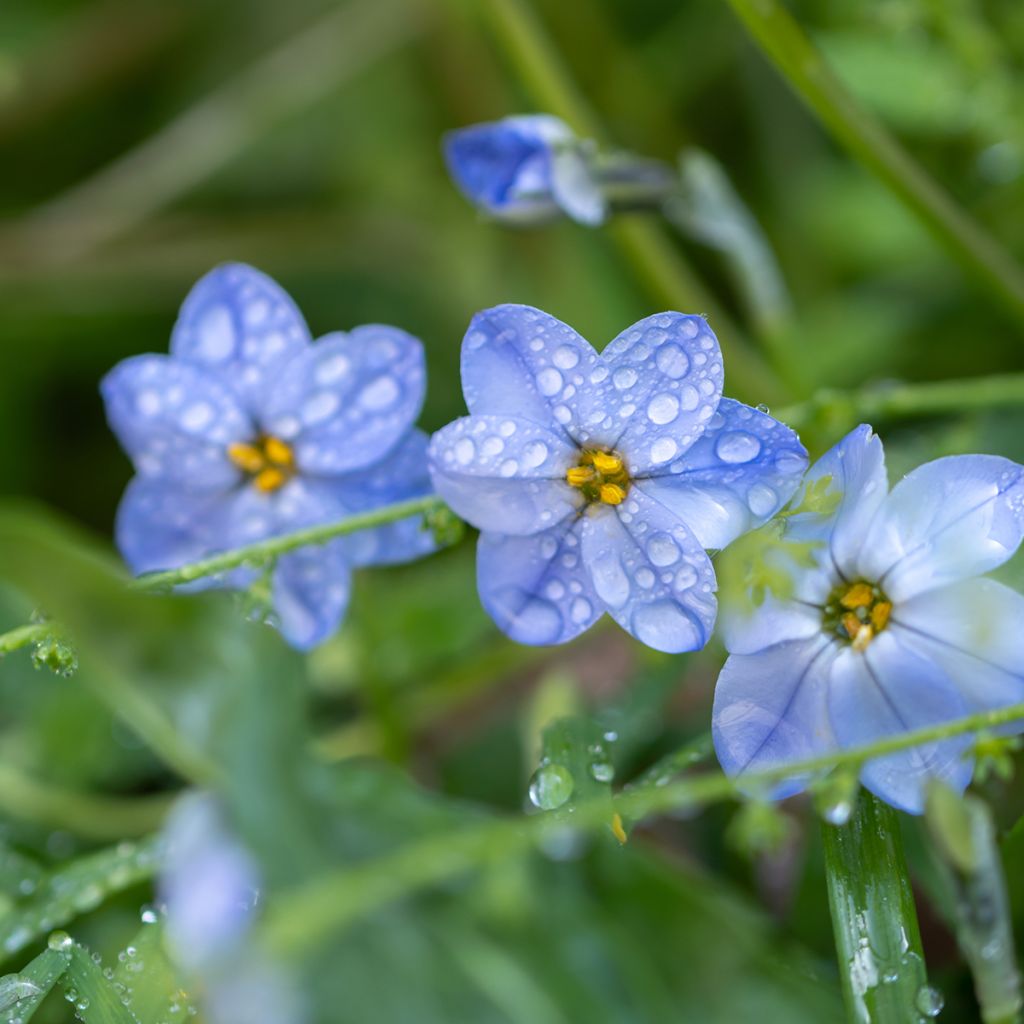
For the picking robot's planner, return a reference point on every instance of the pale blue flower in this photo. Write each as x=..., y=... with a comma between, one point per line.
x=248, y=430
x=599, y=480
x=892, y=627
x=525, y=168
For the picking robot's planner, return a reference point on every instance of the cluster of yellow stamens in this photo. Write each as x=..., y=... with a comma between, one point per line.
x=858, y=612
x=269, y=461
x=601, y=476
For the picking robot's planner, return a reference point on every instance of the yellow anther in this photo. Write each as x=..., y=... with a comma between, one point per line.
x=880, y=615
x=851, y=624
x=277, y=452
x=607, y=464
x=246, y=457
x=617, y=830
x=269, y=479
x=612, y=494
x=864, y=636
x=860, y=595
x=579, y=476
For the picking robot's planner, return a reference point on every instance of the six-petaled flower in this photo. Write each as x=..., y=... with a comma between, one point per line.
x=598, y=481
x=888, y=626
x=248, y=430
x=525, y=169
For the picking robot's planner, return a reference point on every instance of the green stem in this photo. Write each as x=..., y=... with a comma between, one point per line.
x=786, y=45
x=839, y=410
x=878, y=943
x=337, y=899
x=22, y=636
x=265, y=550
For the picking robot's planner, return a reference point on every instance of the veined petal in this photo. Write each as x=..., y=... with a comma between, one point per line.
x=855, y=485
x=773, y=621
x=346, y=401
x=735, y=477
x=310, y=593
x=663, y=386
x=504, y=474
x=520, y=362
x=651, y=573
x=537, y=588
x=401, y=475
x=947, y=520
x=770, y=709
x=242, y=325
x=175, y=421
x=974, y=630
x=887, y=690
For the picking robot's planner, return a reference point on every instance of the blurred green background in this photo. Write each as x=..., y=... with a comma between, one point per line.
x=142, y=142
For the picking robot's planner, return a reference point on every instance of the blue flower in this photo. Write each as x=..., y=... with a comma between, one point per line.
x=886, y=626
x=599, y=480
x=525, y=168
x=247, y=430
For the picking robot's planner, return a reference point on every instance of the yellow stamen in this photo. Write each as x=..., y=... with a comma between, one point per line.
x=269, y=479
x=880, y=615
x=617, y=830
x=606, y=464
x=612, y=494
x=851, y=624
x=864, y=636
x=579, y=476
x=277, y=452
x=246, y=457
x=860, y=595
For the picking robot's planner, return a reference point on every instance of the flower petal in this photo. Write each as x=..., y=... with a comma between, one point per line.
x=852, y=474
x=175, y=421
x=651, y=573
x=242, y=325
x=399, y=476
x=663, y=386
x=947, y=520
x=345, y=402
x=974, y=630
x=773, y=621
x=518, y=361
x=735, y=477
x=887, y=690
x=574, y=187
x=770, y=709
x=310, y=593
x=503, y=474
x=537, y=588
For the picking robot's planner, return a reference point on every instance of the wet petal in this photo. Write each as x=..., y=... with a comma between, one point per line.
x=175, y=421
x=651, y=573
x=346, y=401
x=846, y=485
x=947, y=520
x=504, y=474
x=536, y=588
x=772, y=621
x=518, y=361
x=974, y=630
x=887, y=690
x=770, y=709
x=663, y=386
x=735, y=477
x=310, y=593
x=399, y=476
x=239, y=323
x=575, y=188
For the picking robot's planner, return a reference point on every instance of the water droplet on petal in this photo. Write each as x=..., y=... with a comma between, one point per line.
x=663, y=409
x=672, y=361
x=624, y=377
x=664, y=625
x=549, y=382
x=662, y=550
x=762, y=499
x=664, y=450
x=534, y=454
x=565, y=357
x=737, y=446
x=465, y=451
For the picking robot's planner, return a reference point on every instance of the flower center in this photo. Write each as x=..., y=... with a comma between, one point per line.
x=600, y=476
x=857, y=613
x=269, y=461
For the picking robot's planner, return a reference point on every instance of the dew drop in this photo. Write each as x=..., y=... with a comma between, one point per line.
x=465, y=451
x=664, y=450
x=929, y=1001
x=331, y=370
x=761, y=499
x=610, y=580
x=662, y=550
x=689, y=399
x=549, y=382
x=565, y=357
x=602, y=770
x=666, y=626
x=662, y=409
x=624, y=377
x=534, y=454
x=379, y=394
x=672, y=361
x=60, y=941
x=737, y=446
x=551, y=786
x=580, y=610
x=508, y=468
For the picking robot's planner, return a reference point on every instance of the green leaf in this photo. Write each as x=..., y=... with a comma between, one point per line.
x=94, y=996
x=75, y=888
x=22, y=994
x=149, y=979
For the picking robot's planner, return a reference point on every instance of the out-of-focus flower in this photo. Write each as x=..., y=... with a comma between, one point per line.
x=247, y=430
x=599, y=480
x=883, y=625
x=526, y=168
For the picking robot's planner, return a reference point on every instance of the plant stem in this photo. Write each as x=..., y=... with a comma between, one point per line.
x=337, y=899
x=878, y=943
x=780, y=37
x=22, y=636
